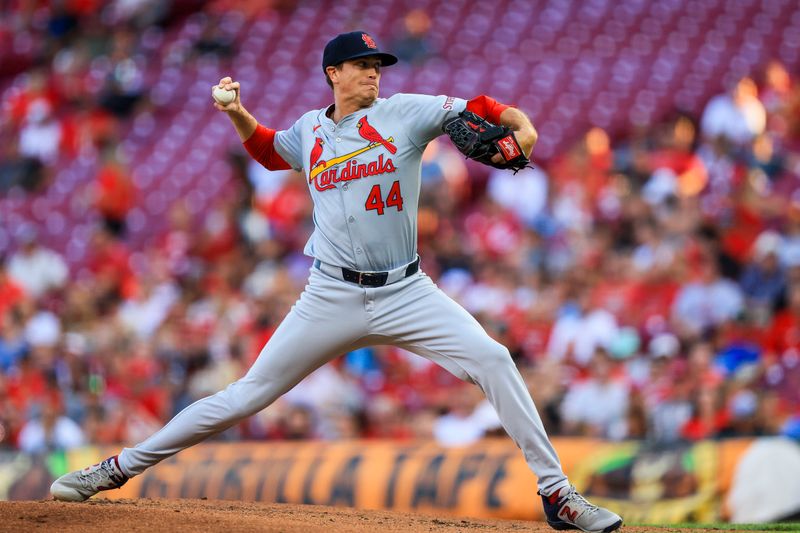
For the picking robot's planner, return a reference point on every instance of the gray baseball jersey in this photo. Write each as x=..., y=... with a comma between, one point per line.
x=364, y=177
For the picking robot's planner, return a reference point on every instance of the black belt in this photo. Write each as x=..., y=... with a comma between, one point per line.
x=369, y=279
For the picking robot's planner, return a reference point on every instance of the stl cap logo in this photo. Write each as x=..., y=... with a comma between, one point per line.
x=368, y=41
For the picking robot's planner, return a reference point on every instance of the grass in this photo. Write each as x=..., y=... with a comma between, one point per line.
x=783, y=526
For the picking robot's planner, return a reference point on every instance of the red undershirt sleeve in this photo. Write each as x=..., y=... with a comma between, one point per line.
x=261, y=147
x=487, y=107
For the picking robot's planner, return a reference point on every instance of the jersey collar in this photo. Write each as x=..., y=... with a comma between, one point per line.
x=325, y=120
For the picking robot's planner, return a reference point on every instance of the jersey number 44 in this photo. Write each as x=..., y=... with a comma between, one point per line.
x=375, y=198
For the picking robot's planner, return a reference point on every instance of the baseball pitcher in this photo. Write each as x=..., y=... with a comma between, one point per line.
x=361, y=157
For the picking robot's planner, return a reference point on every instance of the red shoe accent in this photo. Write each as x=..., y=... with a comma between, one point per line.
x=553, y=498
x=116, y=460
x=569, y=512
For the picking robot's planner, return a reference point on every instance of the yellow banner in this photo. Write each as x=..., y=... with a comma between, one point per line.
x=477, y=481
x=489, y=479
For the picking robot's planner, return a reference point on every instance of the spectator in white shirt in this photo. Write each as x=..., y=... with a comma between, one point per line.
x=40, y=136
x=737, y=116
x=51, y=431
x=35, y=268
x=598, y=406
x=524, y=193
x=577, y=333
x=144, y=312
x=468, y=419
x=708, y=301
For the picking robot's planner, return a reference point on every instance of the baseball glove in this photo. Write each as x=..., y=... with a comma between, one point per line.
x=479, y=140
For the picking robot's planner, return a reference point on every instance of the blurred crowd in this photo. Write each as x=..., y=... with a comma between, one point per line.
x=647, y=285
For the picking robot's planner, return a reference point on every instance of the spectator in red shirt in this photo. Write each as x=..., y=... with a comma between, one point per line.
x=784, y=332
x=115, y=193
x=10, y=292
x=109, y=262
x=709, y=418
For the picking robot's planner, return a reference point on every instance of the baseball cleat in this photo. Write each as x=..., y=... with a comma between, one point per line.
x=81, y=485
x=566, y=509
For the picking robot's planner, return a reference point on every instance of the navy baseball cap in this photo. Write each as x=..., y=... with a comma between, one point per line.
x=352, y=45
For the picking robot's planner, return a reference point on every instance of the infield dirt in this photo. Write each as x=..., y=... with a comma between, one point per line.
x=101, y=515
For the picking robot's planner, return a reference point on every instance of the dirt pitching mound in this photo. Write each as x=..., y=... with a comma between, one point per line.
x=173, y=516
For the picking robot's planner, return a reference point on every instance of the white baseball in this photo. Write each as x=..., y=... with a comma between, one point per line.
x=223, y=96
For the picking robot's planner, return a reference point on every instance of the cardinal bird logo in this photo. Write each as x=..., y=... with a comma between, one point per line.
x=371, y=134
x=316, y=152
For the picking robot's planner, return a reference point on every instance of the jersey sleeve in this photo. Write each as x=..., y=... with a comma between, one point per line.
x=487, y=107
x=261, y=147
x=289, y=145
x=424, y=115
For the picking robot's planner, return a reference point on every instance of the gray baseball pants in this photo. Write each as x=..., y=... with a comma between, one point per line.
x=333, y=317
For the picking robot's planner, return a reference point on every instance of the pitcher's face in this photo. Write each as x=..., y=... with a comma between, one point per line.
x=357, y=79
